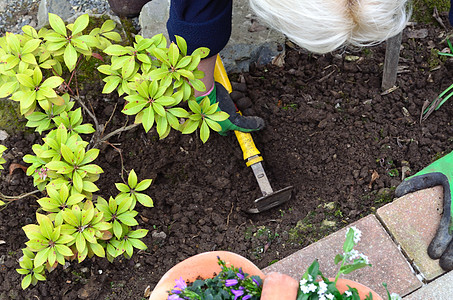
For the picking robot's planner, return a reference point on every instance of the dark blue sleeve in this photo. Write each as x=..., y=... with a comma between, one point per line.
x=202, y=23
x=450, y=15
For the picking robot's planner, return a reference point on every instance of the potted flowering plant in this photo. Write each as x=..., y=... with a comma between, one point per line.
x=220, y=279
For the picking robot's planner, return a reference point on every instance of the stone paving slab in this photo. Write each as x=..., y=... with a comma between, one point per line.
x=439, y=289
x=389, y=265
x=412, y=220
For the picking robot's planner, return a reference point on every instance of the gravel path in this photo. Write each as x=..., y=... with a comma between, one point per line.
x=16, y=13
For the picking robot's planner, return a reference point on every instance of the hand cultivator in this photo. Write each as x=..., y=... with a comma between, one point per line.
x=253, y=158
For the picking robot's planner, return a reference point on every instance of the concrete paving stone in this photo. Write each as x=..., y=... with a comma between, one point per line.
x=388, y=264
x=439, y=289
x=412, y=220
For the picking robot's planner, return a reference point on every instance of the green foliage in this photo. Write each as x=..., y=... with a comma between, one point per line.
x=36, y=70
x=312, y=288
x=32, y=274
x=2, y=160
x=131, y=191
x=224, y=285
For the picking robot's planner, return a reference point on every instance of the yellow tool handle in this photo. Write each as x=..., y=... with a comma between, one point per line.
x=249, y=150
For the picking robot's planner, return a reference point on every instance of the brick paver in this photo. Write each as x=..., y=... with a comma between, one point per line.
x=413, y=220
x=389, y=265
x=439, y=289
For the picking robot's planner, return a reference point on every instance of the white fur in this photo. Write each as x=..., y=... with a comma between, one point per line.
x=322, y=26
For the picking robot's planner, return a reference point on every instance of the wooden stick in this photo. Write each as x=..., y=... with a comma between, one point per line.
x=392, y=55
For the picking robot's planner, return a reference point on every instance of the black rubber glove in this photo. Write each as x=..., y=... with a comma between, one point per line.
x=235, y=121
x=439, y=172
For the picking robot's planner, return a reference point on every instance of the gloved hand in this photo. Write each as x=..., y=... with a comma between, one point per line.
x=439, y=172
x=235, y=121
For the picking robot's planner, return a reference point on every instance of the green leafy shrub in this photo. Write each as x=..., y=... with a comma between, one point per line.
x=156, y=79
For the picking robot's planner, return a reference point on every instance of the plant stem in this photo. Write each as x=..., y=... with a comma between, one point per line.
x=14, y=198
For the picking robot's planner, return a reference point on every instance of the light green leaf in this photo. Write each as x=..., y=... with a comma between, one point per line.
x=90, y=187
x=97, y=249
x=63, y=250
x=128, y=68
x=117, y=229
x=26, y=282
x=92, y=169
x=52, y=82
x=137, y=234
x=173, y=54
x=108, y=25
x=189, y=126
x=213, y=125
x=127, y=219
x=204, y=132
x=31, y=46
x=132, y=179
x=80, y=24
x=148, y=118
x=114, y=36
x=67, y=154
x=158, y=73
x=77, y=181
x=116, y=50
x=57, y=24
x=41, y=257
x=182, y=45
x=122, y=187
x=8, y=88
x=138, y=244
x=144, y=199
x=80, y=242
x=111, y=83
x=70, y=57
x=25, y=80
x=143, y=185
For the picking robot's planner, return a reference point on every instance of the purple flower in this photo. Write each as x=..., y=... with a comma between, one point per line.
x=230, y=282
x=240, y=275
x=176, y=291
x=256, y=281
x=180, y=284
x=173, y=297
x=246, y=297
x=237, y=293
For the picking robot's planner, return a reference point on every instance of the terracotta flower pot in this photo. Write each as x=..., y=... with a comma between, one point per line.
x=342, y=286
x=127, y=8
x=203, y=265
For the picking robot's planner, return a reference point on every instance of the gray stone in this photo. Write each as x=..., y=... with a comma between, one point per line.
x=61, y=8
x=3, y=135
x=250, y=42
x=153, y=18
x=439, y=289
x=3, y=5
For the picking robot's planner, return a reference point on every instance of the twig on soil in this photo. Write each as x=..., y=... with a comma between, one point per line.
x=328, y=75
x=121, y=158
x=115, y=132
x=10, y=199
x=231, y=211
x=110, y=118
x=89, y=112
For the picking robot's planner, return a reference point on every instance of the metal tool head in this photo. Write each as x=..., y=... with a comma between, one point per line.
x=272, y=200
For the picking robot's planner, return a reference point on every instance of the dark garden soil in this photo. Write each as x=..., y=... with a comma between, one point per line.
x=329, y=128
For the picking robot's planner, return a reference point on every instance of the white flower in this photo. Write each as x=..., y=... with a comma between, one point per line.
x=303, y=282
x=365, y=258
x=348, y=293
x=310, y=278
x=322, y=288
x=304, y=289
x=330, y=296
x=351, y=255
x=395, y=296
x=357, y=234
x=322, y=297
x=312, y=287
